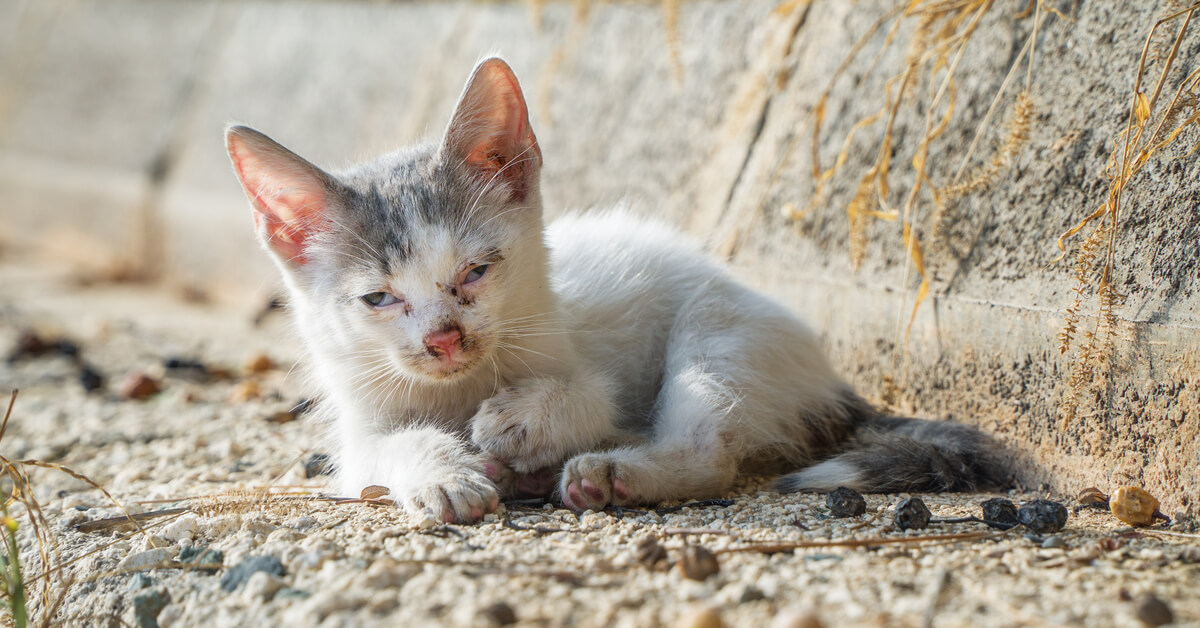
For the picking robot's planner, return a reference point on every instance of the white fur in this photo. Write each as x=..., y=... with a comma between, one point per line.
x=606, y=343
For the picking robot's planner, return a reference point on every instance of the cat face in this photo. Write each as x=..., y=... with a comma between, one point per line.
x=413, y=263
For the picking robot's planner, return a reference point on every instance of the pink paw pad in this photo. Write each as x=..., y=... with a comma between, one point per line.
x=592, y=490
x=476, y=513
x=620, y=491
x=574, y=498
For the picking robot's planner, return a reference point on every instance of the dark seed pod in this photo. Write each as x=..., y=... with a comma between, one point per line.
x=698, y=563
x=912, y=514
x=845, y=502
x=649, y=552
x=90, y=378
x=1042, y=516
x=1001, y=511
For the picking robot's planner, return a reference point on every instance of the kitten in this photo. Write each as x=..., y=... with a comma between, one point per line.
x=467, y=352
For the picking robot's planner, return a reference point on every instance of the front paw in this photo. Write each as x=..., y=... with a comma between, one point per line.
x=513, y=427
x=461, y=496
x=595, y=481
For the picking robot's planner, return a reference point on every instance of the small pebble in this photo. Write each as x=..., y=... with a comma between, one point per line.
x=1134, y=506
x=140, y=581
x=283, y=416
x=1001, y=511
x=499, y=613
x=1092, y=496
x=697, y=563
x=1053, y=542
x=147, y=606
x=845, y=502
x=649, y=552
x=1190, y=555
x=140, y=386
x=1152, y=611
x=201, y=556
x=90, y=378
x=245, y=391
x=258, y=363
x=239, y=574
x=1042, y=516
x=148, y=558
x=701, y=617
x=912, y=514
x=796, y=617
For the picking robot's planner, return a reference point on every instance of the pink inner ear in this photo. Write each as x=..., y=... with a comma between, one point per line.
x=491, y=131
x=288, y=201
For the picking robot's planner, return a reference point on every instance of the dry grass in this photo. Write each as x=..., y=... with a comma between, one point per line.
x=1152, y=129
x=940, y=34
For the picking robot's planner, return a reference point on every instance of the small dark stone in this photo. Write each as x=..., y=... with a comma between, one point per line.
x=66, y=347
x=185, y=364
x=1000, y=511
x=500, y=613
x=1042, y=516
x=649, y=552
x=698, y=563
x=239, y=574
x=845, y=502
x=140, y=581
x=292, y=592
x=318, y=464
x=1053, y=542
x=1152, y=611
x=90, y=378
x=912, y=514
x=751, y=594
x=82, y=508
x=147, y=606
x=201, y=555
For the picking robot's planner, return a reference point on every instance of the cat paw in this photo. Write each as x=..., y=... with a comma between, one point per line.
x=593, y=481
x=512, y=426
x=459, y=497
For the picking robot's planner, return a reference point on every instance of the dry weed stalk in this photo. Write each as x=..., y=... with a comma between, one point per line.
x=1149, y=130
x=942, y=32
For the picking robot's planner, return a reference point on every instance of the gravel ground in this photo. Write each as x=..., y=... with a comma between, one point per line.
x=208, y=445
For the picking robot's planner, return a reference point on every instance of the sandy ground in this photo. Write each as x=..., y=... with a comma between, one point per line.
x=205, y=448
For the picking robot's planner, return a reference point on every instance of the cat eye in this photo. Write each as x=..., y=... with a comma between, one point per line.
x=475, y=274
x=379, y=299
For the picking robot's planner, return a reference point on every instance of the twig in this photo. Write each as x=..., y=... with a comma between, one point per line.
x=124, y=520
x=775, y=548
x=686, y=531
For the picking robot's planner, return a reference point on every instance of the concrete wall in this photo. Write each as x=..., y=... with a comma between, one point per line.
x=111, y=156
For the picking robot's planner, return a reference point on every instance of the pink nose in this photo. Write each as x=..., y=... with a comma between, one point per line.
x=444, y=343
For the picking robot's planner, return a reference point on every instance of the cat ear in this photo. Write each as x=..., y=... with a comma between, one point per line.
x=290, y=195
x=490, y=129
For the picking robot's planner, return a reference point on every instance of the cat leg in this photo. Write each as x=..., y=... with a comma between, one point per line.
x=425, y=470
x=694, y=454
x=541, y=421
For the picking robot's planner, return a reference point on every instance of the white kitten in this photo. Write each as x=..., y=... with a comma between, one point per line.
x=457, y=343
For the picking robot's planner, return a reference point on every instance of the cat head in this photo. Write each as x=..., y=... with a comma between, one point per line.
x=413, y=262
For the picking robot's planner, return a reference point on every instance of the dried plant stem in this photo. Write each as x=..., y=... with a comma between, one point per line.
x=775, y=548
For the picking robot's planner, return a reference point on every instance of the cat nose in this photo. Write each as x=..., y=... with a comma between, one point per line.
x=445, y=342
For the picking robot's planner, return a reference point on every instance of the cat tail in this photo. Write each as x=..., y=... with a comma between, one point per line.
x=885, y=454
